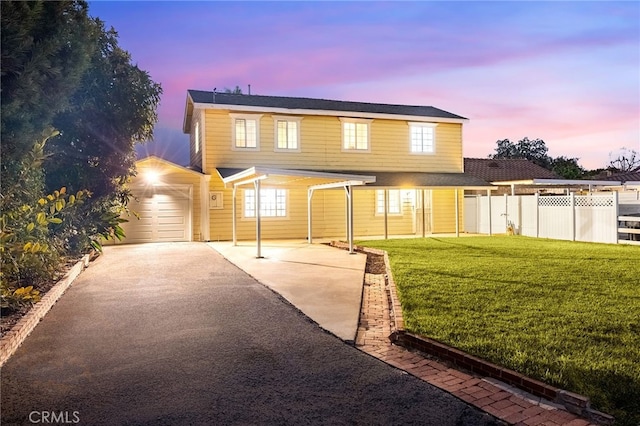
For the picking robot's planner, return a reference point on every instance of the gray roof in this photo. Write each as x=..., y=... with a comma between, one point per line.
x=204, y=97
x=400, y=179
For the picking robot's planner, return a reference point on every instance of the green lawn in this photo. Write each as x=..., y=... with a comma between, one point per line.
x=563, y=312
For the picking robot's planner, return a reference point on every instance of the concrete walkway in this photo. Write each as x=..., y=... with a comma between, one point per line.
x=323, y=282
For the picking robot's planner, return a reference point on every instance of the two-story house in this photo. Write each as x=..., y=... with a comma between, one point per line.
x=298, y=168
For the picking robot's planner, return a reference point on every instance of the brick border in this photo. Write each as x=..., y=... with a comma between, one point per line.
x=573, y=403
x=10, y=342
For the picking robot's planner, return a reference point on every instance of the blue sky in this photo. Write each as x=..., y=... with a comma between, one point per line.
x=565, y=72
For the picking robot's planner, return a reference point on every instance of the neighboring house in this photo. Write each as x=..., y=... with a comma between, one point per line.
x=632, y=176
x=296, y=168
x=500, y=171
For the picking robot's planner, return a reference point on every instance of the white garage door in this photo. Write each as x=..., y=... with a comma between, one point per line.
x=164, y=215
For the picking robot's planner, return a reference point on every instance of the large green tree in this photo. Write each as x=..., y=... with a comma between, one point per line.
x=46, y=48
x=534, y=150
x=567, y=168
x=113, y=108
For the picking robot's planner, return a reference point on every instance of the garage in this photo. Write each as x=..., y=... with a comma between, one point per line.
x=164, y=211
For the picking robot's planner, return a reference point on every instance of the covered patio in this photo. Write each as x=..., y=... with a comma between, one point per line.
x=415, y=185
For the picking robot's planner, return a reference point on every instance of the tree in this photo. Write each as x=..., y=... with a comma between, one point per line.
x=624, y=160
x=46, y=48
x=533, y=150
x=567, y=168
x=61, y=67
x=113, y=108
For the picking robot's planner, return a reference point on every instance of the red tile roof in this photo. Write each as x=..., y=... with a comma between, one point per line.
x=492, y=170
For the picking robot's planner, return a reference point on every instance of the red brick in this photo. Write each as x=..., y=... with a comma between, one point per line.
x=502, y=404
x=533, y=411
x=577, y=422
x=500, y=396
x=483, y=402
x=514, y=418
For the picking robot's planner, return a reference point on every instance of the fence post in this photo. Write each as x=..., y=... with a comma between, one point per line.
x=489, y=198
x=506, y=212
x=537, y=215
x=616, y=207
x=572, y=197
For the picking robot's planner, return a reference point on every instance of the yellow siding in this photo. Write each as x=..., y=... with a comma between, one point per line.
x=321, y=149
x=444, y=208
x=328, y=216
x=321, y=146
x=171, y=175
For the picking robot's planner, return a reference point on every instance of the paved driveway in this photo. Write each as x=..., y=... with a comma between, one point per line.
x=173, y=334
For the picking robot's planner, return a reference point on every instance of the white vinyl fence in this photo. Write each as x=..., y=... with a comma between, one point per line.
x=591, y=218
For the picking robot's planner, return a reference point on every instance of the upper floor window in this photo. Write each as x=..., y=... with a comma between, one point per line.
x=196, y=137
x=287, y=133
x=422, y=138
x=273, y=202
x=246, y=131
x=393, y=200
x=355, y=134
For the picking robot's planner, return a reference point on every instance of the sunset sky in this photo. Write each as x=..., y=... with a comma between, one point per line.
x=565, y=72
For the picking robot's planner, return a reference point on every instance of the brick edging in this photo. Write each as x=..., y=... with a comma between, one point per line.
x=574, y=403
x=10, y=342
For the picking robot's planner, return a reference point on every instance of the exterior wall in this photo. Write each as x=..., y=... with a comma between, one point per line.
x=171, y=175
x=321, y=146
x=444, y=216
x=321, y=149
x=329, y=216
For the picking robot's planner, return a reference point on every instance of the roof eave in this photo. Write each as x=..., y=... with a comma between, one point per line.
x=335, y=113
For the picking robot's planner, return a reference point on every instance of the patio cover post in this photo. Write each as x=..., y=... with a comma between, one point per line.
x=233, y=216
x=257, y=185
x=309, y=215
x=349, y=193
x=457, y=213
x=489, y=204
x=386, y=209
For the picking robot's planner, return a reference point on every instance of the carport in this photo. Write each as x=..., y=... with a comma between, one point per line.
x=313, y=180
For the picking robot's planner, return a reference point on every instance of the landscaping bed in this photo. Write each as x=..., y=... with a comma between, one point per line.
x=562, y=312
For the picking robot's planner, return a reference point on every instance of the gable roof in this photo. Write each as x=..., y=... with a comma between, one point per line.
x=496, y=170
x=294, y=105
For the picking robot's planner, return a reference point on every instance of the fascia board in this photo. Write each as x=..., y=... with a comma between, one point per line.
x=372, y=115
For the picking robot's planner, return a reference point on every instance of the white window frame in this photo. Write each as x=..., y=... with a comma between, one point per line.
x=394, y=202
x=422, y=125
x=356, y=121
x=288, y=119
x=282, y=213
x=246, y=117
x=197, y=137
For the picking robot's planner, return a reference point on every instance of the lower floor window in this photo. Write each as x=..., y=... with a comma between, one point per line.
x=393, y=198
x=273, y=202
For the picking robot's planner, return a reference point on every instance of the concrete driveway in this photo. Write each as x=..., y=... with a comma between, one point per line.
x=173, y=334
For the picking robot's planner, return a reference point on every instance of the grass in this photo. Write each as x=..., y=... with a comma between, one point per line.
x=562, y=312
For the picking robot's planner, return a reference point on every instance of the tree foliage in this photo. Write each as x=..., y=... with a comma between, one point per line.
x=567, y=168
x=113, y=108
x=44, y=55
x=61, y=68
x=534, y=150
